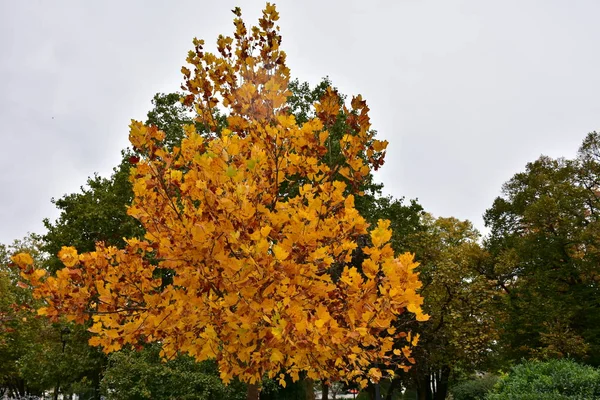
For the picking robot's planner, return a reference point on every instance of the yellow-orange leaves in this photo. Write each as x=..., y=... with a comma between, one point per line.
x=245, y=226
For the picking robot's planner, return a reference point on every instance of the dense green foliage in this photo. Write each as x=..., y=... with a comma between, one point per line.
x=35, y=354
x=141, y=375
x=545, y=246
x=459, y=300
x=474, y=389
x=550, y=380
x=97, y=214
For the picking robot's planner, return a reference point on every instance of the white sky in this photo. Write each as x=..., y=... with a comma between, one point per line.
x=466, y=92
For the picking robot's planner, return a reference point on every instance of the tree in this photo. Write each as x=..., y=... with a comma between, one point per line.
x=35, y=354
x=249, y=261
x=57, y=357
x=12, y=336
x=544, y=241
x=99, y=212
x=460, y=301
x=18, y=325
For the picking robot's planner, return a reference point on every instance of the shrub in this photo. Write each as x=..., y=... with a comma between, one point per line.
x=474, y=389
x=550, y=380
x=137, y=375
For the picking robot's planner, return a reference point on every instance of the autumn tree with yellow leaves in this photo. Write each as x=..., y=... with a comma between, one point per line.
x=243, y=227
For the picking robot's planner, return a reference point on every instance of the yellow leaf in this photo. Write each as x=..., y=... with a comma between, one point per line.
x=280, y=253
x=381, y=234
x=415, y=340
x=406, y=351
x=37, y=274
x=231, y=171
x=111, y=333
x=276, y=356
x=68, y=256
x=176, y=175
x=380, y=145
x=419, y=316
x=375, y=374
x=22, y=259
x=370, y=269
x=265, y=230
x=323, y=137
x=95, y=328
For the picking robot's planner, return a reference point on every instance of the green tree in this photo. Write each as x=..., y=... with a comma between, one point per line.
x=459, y=300
x=36, y=355
x=18, y=326
x=545, y=241
x=98, y=213
x=57, y=357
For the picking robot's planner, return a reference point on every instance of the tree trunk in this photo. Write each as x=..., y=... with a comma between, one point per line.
x=442, y=383
x=324, y=391
x=377, y=391
x=392, y=388
x=309, y=389
x=55, y=394
x=371, y=391
x=96, y=386
x=424, y=387
x=17, y=388
x=253, y=393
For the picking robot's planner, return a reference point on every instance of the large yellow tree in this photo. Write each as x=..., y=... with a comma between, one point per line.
x=234, y=266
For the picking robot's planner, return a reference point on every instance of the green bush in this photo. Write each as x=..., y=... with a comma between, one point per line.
x=142, y=375
x=474, y=389
x=550, y=380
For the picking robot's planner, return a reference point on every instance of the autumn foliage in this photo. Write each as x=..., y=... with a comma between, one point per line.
x=243, y=227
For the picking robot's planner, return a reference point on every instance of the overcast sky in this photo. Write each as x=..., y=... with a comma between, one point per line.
x=466, y=92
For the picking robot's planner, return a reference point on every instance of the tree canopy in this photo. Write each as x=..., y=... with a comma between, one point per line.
x=544, y=240
x=251, y=286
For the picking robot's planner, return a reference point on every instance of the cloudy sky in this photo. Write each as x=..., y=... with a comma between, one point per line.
x=466, y=92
